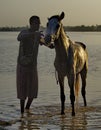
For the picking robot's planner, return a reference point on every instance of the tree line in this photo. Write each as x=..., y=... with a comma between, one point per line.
x=83, y=28
x=67, y=28
x=3, y=29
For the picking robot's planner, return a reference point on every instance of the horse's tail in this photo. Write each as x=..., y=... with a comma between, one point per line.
x=77, y=86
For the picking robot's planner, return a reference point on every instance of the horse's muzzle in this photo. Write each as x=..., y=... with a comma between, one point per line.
x=49, y=39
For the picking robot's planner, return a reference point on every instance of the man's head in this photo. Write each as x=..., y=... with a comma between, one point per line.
x=34, y=22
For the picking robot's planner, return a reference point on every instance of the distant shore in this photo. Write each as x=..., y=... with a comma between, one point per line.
x=80, y=28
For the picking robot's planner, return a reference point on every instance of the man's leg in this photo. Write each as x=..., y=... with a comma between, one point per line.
x=22, y=103
x=28, y=103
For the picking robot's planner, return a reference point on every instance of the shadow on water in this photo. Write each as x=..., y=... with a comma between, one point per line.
x=49, y=118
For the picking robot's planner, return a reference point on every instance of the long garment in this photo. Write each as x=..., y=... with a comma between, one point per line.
x=27, y=77
x=27, y=82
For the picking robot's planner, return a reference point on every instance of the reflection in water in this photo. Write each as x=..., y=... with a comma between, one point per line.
x=74, y=123
x=79, y=122
x=28, y=125
x=49, y=118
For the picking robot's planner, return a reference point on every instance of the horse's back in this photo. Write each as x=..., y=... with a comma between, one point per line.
x=81, y=44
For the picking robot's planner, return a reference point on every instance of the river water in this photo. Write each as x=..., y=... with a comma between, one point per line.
x=45, y=110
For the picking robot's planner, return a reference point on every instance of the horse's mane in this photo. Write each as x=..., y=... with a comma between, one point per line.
x=65, y=38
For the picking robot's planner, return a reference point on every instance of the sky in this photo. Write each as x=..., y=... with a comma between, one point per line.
x=16, y=13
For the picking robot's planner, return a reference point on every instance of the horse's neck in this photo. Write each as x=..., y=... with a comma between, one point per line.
x=62, y=45
x=64, y=38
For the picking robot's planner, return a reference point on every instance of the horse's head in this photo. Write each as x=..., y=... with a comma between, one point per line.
x=53, y=28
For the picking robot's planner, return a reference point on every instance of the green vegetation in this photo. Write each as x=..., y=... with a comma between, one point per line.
x=67, y=28
x=3, y=29
x=11, y=28
x=83, y=28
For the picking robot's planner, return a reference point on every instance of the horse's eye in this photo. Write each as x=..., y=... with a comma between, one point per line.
x=57, y=26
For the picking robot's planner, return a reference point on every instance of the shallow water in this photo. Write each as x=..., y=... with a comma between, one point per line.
x=45, y=110
x=48, y=117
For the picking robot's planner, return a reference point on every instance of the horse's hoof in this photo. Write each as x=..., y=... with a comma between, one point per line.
x=85, y=104
x=62, y=113
x=73, y=113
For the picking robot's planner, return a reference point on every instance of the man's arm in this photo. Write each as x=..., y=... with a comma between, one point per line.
x=42, y=42
x=23, y=35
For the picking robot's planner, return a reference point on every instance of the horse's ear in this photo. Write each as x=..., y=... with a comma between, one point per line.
x=62, y=15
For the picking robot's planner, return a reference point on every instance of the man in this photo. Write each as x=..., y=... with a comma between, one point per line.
x=27, y=77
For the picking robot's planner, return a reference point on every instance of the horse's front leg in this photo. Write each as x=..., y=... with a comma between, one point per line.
x=71, y=82
x=62, y=95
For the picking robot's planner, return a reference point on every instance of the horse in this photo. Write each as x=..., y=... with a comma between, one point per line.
x=71, y=60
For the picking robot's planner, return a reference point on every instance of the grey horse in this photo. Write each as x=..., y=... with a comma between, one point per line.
x=71, y=60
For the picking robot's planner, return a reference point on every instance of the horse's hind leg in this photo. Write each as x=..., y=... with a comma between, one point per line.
x=83, y=77
x=71, y=82
x=62, y=95
x=77, y=86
